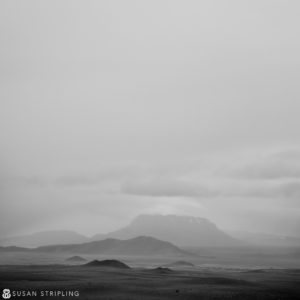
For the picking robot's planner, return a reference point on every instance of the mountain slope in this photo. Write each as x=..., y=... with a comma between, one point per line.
x=45, y=238
x=179, y=230
x=137, y=246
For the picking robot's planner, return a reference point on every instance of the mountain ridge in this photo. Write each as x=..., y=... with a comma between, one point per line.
x=182, y=231
x=142, y=245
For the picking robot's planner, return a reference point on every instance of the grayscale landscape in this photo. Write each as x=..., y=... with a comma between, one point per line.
x=150, y=149
x=145, y=267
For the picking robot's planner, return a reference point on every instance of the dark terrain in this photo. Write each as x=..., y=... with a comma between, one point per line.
x=130, y=264
x=108, y=263
x=158, y=283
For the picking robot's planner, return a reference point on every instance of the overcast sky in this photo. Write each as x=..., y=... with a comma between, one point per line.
x=109, y=109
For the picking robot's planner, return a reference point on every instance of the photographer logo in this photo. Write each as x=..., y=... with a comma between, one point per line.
x=6, y=294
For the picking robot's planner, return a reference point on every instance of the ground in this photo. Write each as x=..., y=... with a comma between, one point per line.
x=146, y=283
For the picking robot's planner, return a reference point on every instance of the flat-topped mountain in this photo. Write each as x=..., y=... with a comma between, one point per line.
x=182, y=231
x=44, y=238
x=137, y=246
x=179, y=230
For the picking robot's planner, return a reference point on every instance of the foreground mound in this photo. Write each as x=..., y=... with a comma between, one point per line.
x=110, y=263
x=75, y=259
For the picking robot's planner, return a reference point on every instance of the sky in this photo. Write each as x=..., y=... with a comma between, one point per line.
x=111, y=109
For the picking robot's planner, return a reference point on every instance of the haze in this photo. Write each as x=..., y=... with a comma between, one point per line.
x=110, y=109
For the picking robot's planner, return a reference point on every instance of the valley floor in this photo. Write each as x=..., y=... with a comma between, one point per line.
x=142, y=283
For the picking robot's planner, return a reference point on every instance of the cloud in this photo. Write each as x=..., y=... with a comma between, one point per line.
x=290, y=190
x=190, y=188
x=278, y=165
x=281, y=193
x=288, y=154
x=288, y=193
x=269, y=170
x=76, y=180
x=167, y=188
x=22, y=181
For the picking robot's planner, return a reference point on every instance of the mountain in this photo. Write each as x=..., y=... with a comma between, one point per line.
x=45, y=238
x=108, y=263
x=266, y=240
x=183, y=231
x=141, y=245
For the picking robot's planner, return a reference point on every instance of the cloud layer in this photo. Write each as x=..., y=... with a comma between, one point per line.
x=114, y=108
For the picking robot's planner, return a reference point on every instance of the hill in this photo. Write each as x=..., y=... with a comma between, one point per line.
x=44, y=238
x=13, y=249
x=109, y=263
x=183, y=231
x=137, y=246
x=75, y=259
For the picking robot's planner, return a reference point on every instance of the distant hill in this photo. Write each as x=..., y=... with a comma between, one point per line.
x=179, y=230
x=76, y=259
x=182, y=231
x=137, y=246
x=13, y=249
x=267, y=240
x=109, y=263
x=45, y=238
